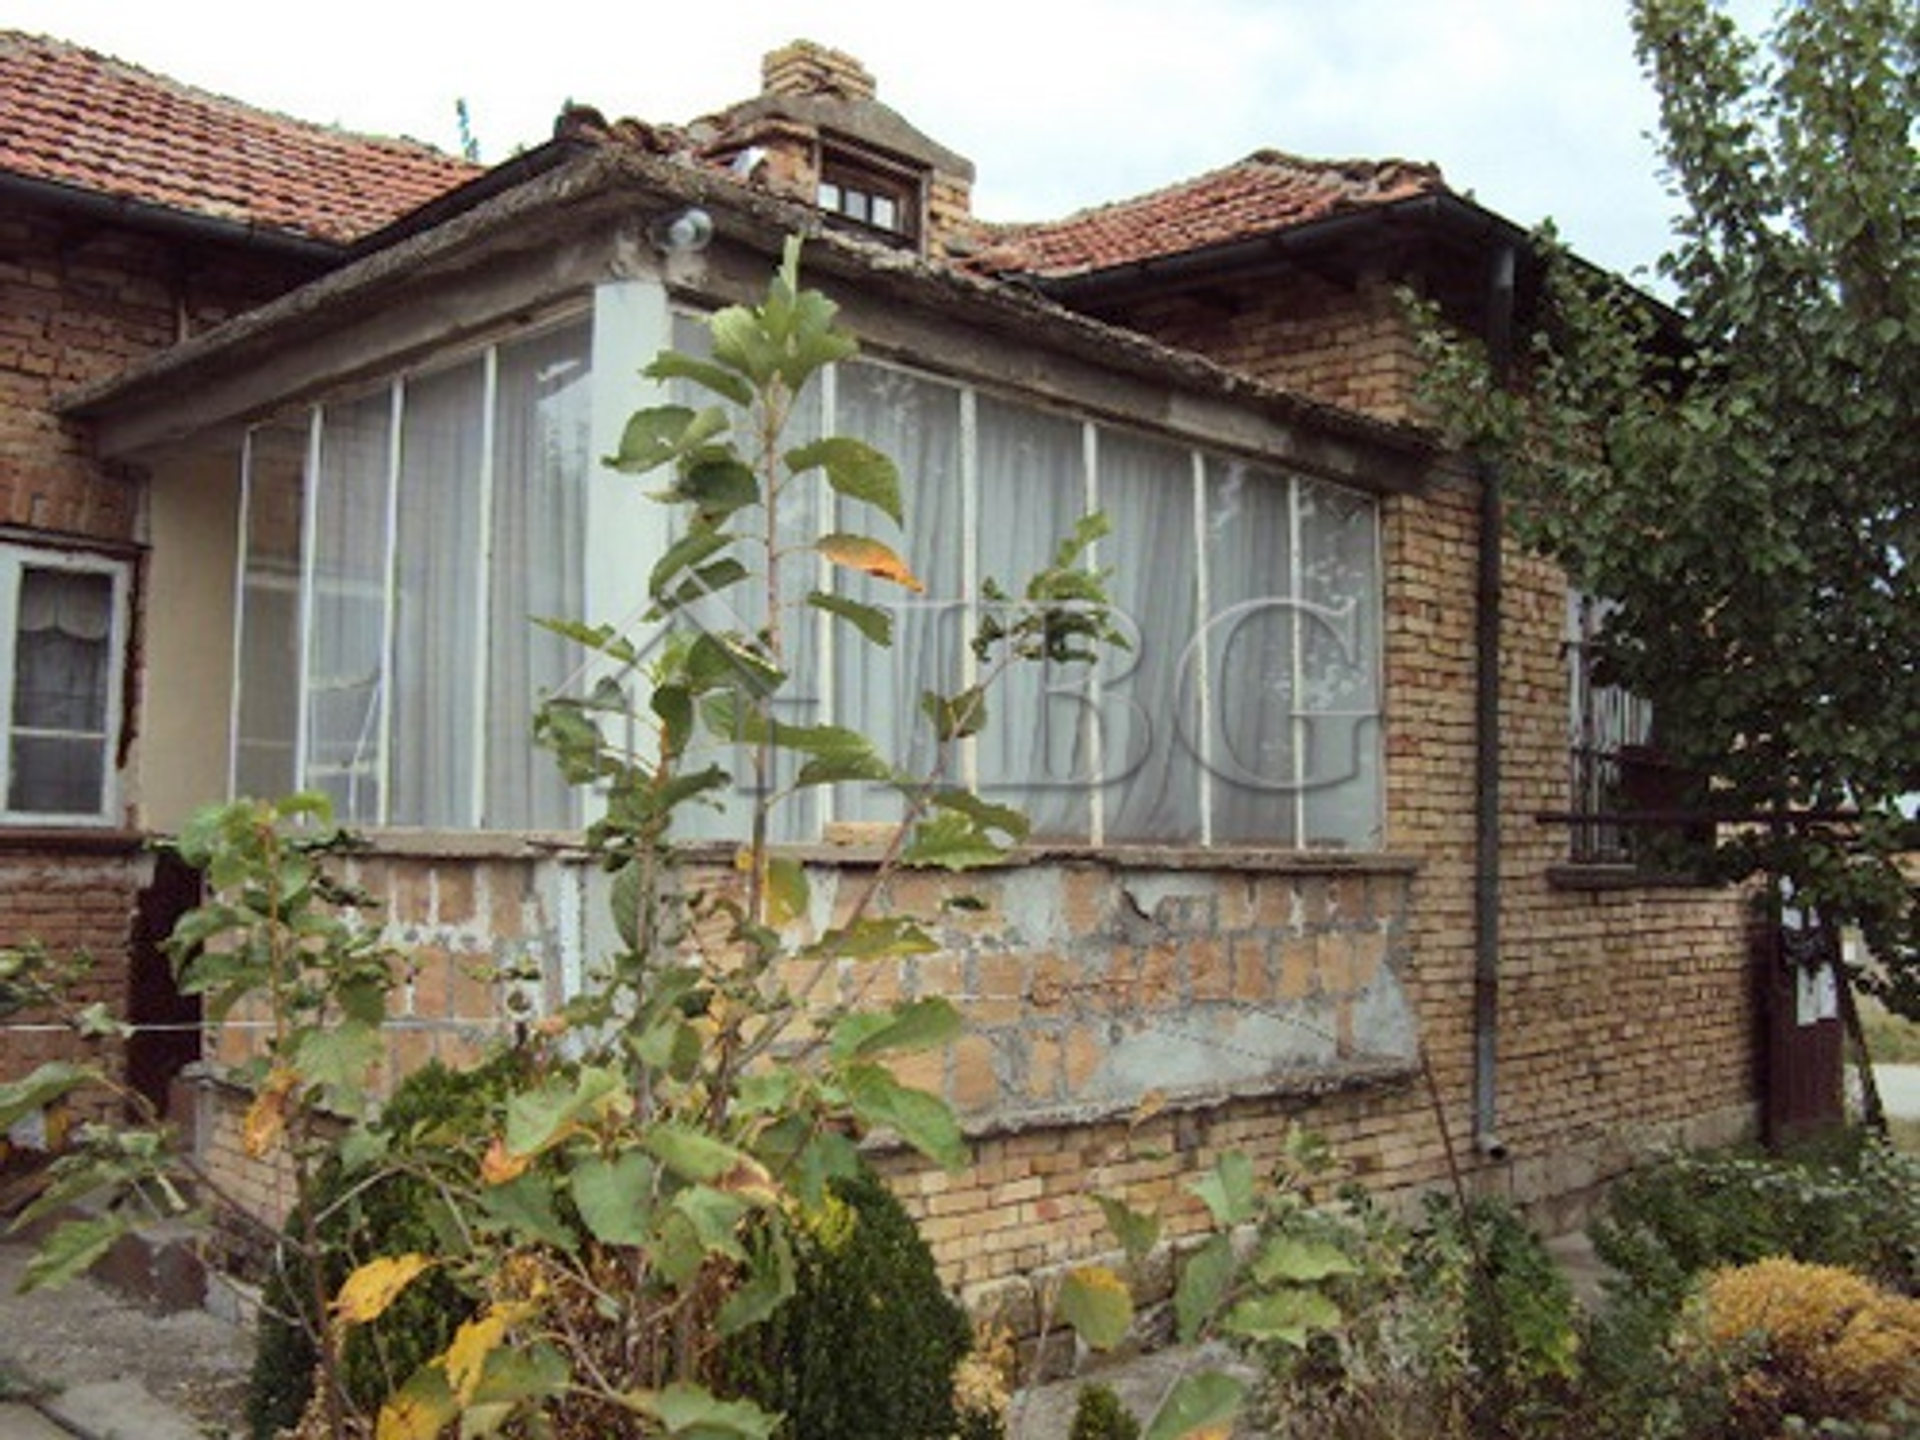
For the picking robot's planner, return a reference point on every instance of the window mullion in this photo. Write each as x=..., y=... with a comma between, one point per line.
x=10, y=576
x=827, y=694
x=969, y=569
x=1090, y=500
x=1202, y=688
x=309, y=586
x=1296, y=649
x=483, y=599
x=383, y=751
x=242, y=545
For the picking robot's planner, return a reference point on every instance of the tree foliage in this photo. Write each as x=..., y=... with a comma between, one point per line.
x=1743, y=479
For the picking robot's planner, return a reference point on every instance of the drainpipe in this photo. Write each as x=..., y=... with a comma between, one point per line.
x=1486, y=732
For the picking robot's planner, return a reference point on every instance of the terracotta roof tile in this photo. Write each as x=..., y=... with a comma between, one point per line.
x=1265, y=193
x=74, y=117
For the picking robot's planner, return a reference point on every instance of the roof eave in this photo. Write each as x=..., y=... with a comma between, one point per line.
x=169, y=220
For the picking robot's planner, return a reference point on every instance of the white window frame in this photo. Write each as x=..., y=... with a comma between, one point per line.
x=15, y=559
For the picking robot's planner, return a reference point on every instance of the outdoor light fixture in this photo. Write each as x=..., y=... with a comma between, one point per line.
x=681, y=232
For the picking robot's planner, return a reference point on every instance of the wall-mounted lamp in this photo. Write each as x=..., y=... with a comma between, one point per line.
x=681, y=232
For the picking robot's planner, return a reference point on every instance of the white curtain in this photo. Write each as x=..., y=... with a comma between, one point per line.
x=1251, y=643
x=915, y=421
x=1340, y=587
x=1035, y=751
x=437, y=601
x=61, y=673
x=1153, y=790
x=542, y=455
x=346, y=659
x=269, y=641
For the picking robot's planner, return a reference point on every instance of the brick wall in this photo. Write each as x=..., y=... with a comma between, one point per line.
x=80, y=300
x=75, y=897
x=1347, y=345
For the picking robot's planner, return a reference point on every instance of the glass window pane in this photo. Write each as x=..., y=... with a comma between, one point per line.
x=61, y=650
x=57, y=775
x=62, y=659
x=437, y=600
x=543, y=453
x=1036, y=750
x=1249, y=657
x=1153, y=780
x=877, y=690
x=347, y=663
x=269, y=644
x=1340, y=593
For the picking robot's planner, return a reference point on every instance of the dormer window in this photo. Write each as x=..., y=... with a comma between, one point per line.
x=871, y=195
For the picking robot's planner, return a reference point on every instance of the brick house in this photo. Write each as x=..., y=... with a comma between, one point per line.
x=1286, y=866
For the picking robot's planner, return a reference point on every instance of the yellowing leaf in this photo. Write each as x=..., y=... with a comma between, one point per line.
x=467, y=1355
x=368, y=1291
x=420, y=1410
x=870, y=557
x=266, y=1118
x=499, y=1166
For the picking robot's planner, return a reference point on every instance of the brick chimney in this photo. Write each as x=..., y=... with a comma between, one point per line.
x=806, y=68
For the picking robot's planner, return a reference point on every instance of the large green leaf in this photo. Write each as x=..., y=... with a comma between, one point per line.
x=854, y=469
x=71, y=1250
x=918, y=1025
x=525, y=1208
x=694, y=1154
x=672, y=365
x=985, y=814
x=1137, y=1231
x=870, y=620
x=692, y=549
x=1204, y=1403
x=690, y=1412
x=656, y=436
x=955, y=717
x=1096, y=1303
x=951, y=841
x=1300, y=1260
x=544, y=1116
x=615, y=1197
x=874, y=937
x=1228, y=1189
x=1291, y=1315
x=924, y=1121
x=47, y=1083
x=1204, y=1281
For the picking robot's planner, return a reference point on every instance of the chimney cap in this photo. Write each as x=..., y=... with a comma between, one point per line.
x=805, y=67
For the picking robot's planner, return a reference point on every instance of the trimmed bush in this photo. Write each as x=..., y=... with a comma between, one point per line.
x=361, y=1219
x=1781, y=1338
x=1099, y=1415
x=867, y=1346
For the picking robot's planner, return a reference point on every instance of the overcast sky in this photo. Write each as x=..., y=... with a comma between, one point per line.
x=1535, y=107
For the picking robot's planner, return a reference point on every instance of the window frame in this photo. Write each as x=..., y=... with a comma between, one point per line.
x=17, y=557
x=1596, y=761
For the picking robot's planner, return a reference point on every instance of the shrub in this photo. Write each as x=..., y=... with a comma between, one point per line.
x=359, y=1218
x=1858, y=1208
x=1781, y=1338
x=1099, y=1415
x=1522, y=1338
x=866, y=1347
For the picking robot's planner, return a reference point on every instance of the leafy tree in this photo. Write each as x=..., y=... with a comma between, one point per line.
x=1743, y=478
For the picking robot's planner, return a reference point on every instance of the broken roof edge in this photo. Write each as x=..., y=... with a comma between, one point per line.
x=601, y=182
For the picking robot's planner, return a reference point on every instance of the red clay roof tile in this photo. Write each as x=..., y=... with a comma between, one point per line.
x=74, y=117
x=1265, y=193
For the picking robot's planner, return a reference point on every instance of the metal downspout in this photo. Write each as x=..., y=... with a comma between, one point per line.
x=1486, y=731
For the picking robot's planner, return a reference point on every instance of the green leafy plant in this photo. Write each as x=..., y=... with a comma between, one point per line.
x=867, y=1346
x=1098, y=1414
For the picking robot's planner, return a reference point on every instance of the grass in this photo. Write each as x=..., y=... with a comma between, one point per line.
x=1891, y=1040
x=1905, y=1135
